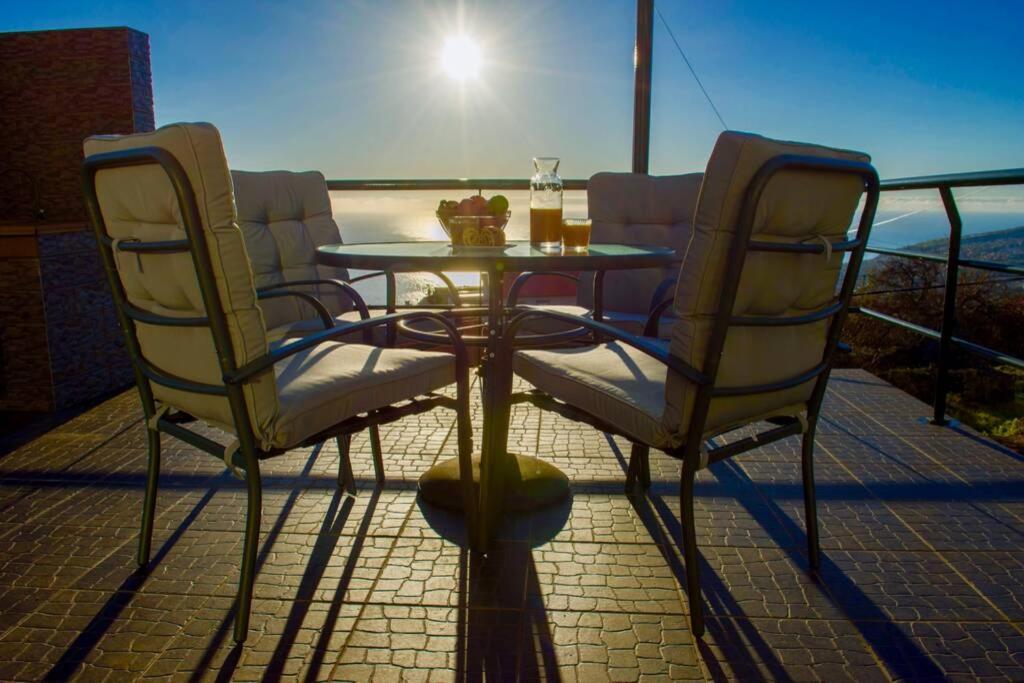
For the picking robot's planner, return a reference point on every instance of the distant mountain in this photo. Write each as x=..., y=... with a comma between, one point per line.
x=999, y=246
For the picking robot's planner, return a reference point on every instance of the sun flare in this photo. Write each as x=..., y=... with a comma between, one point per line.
x=461, y=58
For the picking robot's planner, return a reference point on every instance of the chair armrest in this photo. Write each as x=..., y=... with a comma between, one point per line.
x=259, y=365
x=659, y=293
x=453, y=291
x=345, y=287
x=517, y=285
x=642, y=344
x=281, y=291
x=654, y=318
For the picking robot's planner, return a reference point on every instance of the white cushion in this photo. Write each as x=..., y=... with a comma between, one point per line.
x=796, y=206
x=615, y=382
x=284, y=217
x=331, y=382
x=138, y=202
x=635, y=208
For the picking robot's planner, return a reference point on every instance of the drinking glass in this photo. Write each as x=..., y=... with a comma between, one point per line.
x=576, y=234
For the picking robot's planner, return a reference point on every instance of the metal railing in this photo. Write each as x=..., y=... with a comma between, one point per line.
x=946, y=335
x=478, y=184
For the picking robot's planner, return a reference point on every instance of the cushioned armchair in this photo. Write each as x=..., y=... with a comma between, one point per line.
x=284, y=216
x=629, y=208
x=164, y=214
x=758, y=317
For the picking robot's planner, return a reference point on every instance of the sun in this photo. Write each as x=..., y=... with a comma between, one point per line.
x=461, y=58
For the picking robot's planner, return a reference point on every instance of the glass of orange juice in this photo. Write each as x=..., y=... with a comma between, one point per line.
x=576, y=234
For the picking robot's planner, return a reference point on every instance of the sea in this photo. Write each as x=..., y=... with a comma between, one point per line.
x=902, y=219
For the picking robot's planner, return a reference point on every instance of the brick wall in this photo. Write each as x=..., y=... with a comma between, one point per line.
x=59, y=340
x=56, y=88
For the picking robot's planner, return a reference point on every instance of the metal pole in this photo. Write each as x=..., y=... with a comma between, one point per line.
x=948, y=306
x=642, y=53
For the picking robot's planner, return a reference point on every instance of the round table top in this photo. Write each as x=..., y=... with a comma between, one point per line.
x=516, y=256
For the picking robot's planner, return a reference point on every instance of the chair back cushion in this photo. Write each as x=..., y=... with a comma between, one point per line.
x=139, y=203
x=284, y=217
x=796, y=206
x=634, y=208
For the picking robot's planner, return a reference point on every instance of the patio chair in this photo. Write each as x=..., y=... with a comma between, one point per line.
x=758, y=320
x=163, y=210
x=284, y=216
x=627, y=208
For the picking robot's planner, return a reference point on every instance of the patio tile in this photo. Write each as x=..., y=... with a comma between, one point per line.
x=900, y=586
x=632, y=578
x=921, y=529
x=607, y=646
x=996, y=575
x=760, y=582
x=399, y=642
x=787, y=649
x=959, y=525
x=435, y=572
x=957, y=651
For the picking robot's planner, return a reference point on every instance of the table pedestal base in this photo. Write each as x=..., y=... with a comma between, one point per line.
x=532, y=484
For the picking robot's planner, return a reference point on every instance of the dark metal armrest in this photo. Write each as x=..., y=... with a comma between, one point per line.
x=654, y=318
x=660, y=291
x=280, y=291
x=643, y=344
x=266, y=362
x=517, y=285
x=345, y=287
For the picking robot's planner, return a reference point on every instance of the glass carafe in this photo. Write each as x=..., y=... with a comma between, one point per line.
x=545, y=204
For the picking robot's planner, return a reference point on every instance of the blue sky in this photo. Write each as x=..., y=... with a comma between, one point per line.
x=353, y=88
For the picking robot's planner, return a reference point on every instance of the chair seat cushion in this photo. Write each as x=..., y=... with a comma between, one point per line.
x=614, y=382
x=628, y=322
x=331, y=382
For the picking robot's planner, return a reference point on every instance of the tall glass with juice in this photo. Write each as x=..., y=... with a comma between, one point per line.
x=545, y=204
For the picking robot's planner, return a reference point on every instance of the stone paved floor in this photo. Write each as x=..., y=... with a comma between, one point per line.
x=922, y=577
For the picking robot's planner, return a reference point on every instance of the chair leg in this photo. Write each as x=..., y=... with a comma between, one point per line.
x=810, y=501
x=638, y=475
x=690, y=549
x=149, y=503
x=252, y=541
x=378, y=458
x=346, y=480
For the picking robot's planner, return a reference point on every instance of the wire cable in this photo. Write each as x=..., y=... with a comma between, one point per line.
x=690, y=67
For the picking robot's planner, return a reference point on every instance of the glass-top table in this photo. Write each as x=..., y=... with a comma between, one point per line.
x=530, y=482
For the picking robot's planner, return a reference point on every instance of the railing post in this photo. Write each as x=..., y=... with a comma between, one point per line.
x=948, y=306
x=642, y=53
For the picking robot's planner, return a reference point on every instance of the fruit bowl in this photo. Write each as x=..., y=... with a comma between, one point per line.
x=475, y=231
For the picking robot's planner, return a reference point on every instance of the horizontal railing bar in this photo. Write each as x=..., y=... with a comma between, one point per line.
x=991, y=354
x=964, y=262
x=801, y=247
x=445, y=184
x=970, y=346
x=898, y=322
x=1009, y=176
x=149, y=318
x=991, y=265
x=903, y=253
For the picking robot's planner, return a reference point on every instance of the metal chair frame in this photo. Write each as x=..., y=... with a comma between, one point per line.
x=235, y=377
x=694, y=453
